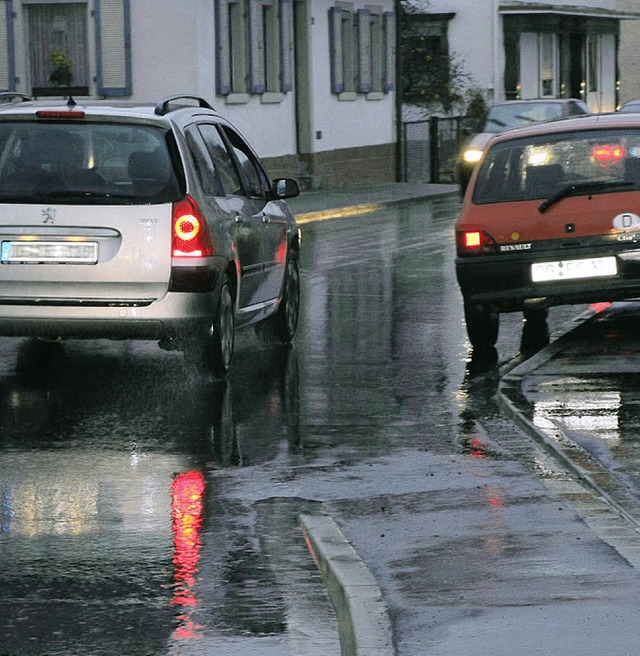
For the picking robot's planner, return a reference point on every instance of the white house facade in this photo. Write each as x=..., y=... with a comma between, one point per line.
x=516, y=49
x=310, y=82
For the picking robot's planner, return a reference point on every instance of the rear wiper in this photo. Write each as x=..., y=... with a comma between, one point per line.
x=593, y=185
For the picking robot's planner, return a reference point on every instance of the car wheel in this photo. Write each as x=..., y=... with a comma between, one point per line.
x=482, y=325
x=213, y=351
x=282, y=326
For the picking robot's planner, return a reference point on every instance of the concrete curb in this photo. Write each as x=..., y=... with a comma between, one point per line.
x=363, y=619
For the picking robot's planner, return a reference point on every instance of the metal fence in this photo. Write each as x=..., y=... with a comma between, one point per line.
x=430, y=149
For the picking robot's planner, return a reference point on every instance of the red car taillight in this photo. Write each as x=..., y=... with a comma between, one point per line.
x=475, y=242
x=190, y=236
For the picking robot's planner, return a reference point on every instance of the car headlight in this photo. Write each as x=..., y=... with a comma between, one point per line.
x=472, y=155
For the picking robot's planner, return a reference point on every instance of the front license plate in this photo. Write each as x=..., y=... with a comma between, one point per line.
x=593, y=267
x=49, y=252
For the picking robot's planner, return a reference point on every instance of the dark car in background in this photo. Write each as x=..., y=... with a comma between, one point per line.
x=630, y=106
x=154, y=222
x=551, y=217
x=512, y=114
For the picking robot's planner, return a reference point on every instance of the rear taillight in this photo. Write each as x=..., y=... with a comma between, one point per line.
x=190, y=236
x=475, y=242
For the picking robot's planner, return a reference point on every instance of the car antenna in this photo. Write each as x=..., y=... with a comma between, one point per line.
x=71, y=102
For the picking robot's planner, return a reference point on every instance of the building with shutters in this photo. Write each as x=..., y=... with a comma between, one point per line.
x=310, y=82
x=553, y=49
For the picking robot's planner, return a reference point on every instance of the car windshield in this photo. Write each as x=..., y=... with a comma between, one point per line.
x=85, y=162
x=515, y=115
x=559, y=165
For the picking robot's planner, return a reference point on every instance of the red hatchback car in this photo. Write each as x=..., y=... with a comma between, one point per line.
x=552, y=217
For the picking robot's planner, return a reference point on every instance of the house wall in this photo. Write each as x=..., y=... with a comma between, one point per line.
x=476, y=36
x=473, y=40
x=347, y=135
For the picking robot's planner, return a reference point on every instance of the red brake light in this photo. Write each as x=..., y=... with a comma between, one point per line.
x=65, y=113
x=472, y=239
x=475, y=242
x=190, y=237
x=608, y=153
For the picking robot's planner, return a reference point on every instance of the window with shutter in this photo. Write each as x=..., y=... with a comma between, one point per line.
x=254, y=50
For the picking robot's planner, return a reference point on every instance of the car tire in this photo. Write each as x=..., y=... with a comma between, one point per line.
x=282, y=326
x=212, y=352
x=482, y=325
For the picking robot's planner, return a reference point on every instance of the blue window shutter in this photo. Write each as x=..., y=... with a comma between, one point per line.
x=7, y=47
x=256, y=47
x=223, y=49
x=286, y=43
x=390, y=51
x=113, y=48
x=336, y=54
x=364, y=51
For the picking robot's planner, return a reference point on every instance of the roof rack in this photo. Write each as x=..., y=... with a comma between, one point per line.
x=8, y=96
x=163, y=106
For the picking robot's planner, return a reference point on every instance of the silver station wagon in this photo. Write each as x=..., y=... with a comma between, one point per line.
x=142, y=222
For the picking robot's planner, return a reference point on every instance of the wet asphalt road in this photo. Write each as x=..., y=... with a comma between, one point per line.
x=136, y=513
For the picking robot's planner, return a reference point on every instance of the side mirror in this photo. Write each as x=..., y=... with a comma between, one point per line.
x=285, y=188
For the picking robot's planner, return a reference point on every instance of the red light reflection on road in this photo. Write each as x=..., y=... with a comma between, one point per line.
x=187, y=493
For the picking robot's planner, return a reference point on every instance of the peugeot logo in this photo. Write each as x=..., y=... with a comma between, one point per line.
x=49, y=214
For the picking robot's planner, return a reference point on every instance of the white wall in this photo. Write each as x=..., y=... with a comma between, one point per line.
x=178, y=56
x=344, y=123
x=475, y=40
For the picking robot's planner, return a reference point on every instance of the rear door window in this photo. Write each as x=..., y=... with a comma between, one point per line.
x=255, y=178
x=223, y=162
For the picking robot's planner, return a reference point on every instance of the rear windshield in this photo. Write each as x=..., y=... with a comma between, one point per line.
x=84, y=162
x=515, y=115
x=528, y=169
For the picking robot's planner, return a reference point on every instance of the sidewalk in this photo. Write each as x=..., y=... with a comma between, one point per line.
x=334, y=203
x=487, y=559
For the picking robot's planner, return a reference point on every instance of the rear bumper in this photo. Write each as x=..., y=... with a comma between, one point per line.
x=505, y=282
x=173, y=316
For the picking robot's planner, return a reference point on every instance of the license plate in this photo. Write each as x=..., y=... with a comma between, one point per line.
x=47, y=252
x=593, y=267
